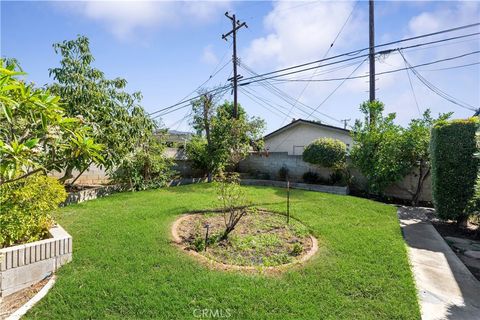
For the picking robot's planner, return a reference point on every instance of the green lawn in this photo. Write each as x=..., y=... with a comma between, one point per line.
x=124, y=265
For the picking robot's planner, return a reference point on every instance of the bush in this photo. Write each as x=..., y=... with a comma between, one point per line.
x=146, y=168
x=310, y=177
x=454, y=167
x=326, y=152
x=26, y=209
x=283, y=173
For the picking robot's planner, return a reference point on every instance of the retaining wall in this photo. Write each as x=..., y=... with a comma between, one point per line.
x=26, y=264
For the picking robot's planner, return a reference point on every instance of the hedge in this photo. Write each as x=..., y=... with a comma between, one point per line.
x=326, y=152
x=454, y=166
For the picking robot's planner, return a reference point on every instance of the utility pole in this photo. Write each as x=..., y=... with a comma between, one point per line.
x=235, y=26
x=371, y=53
x=371, y=36
x=345, y=122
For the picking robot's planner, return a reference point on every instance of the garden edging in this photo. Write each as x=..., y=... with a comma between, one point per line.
x=230, y=267
x=27, y=264
x=296, y=185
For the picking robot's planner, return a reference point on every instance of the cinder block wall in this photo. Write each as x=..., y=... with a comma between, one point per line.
x=92, y=176
x=271, y=164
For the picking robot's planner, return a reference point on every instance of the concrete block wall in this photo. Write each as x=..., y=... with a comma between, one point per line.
x=94, y=175
x=274, y=161
x=271, y=164
x=24, y=265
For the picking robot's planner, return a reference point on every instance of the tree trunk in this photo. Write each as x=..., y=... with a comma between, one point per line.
x=78, y=176
x=68, y=175
x=421, y=179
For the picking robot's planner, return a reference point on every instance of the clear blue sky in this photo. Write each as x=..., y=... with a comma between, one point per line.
x=166, y=49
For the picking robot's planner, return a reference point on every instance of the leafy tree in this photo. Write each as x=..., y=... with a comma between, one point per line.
x=377, y=147
x=416, y=149
x=146, y=167
x=385, y=152
x=35, y=135
x=117, y=119
x=228, y=140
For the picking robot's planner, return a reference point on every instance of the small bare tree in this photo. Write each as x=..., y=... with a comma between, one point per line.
x=233, y=199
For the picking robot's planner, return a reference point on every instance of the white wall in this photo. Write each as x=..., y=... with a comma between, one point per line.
x=296, y=138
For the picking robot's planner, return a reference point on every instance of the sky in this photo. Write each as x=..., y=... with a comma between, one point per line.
x=167, y=49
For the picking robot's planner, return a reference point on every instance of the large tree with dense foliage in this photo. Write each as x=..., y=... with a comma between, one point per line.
x=386, y=152
x=118, y=120
x=36, y=135
x=222, y=140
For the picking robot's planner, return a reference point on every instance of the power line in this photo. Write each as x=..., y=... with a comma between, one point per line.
x=324, y=56
x=288, y=98
x=389, y=71
x=411, y=87
x=186, y=103
x=212, y=75
x=356, y=52
x=325, y=100
x=191, y=99
x=336, y=88
x=436, y=90
x=246, y=82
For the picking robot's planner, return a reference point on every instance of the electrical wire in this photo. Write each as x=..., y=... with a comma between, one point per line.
x=356, y=52
x=394, y=70
x=324, y=56
x=436, y=90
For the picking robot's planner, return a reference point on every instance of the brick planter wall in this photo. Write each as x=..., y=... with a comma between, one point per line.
x=27, y=264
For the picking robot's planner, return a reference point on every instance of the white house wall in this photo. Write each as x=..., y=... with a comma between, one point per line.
x=294, y=139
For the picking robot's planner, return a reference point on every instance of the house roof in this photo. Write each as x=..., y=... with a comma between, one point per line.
x=299, y=121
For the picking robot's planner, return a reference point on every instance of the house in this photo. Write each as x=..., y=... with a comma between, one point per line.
x=295, y=136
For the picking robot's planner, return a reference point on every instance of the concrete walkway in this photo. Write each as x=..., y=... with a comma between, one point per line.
x=446, y=288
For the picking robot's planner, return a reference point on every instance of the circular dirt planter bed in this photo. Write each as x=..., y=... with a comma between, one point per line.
x=261, y=240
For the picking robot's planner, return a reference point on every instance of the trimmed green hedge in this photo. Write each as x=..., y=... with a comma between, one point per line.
x=326, y=152
x=454, y=166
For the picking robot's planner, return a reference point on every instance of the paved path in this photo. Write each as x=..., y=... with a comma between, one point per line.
x=446, y=288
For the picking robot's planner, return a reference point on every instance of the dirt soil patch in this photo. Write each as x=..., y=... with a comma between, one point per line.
x=11, y=303
x=261, y=239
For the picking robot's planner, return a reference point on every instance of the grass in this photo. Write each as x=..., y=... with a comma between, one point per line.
x=124, y=264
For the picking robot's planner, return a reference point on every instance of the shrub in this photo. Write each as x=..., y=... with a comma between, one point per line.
x=283, y=173
x=310, y=177
x=454, y=167
x=336, y=178
x=326, y=152
x=146, y=168
x=27, y=205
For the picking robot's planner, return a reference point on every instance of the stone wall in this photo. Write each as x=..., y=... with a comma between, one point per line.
x=260, y=165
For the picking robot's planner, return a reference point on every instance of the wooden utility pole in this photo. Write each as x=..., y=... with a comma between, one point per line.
x=345, y=123
x=371, y=36
x=235, y=26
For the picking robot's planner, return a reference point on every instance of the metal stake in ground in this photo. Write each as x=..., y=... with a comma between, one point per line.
x=207, y=226
x=288, y=201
